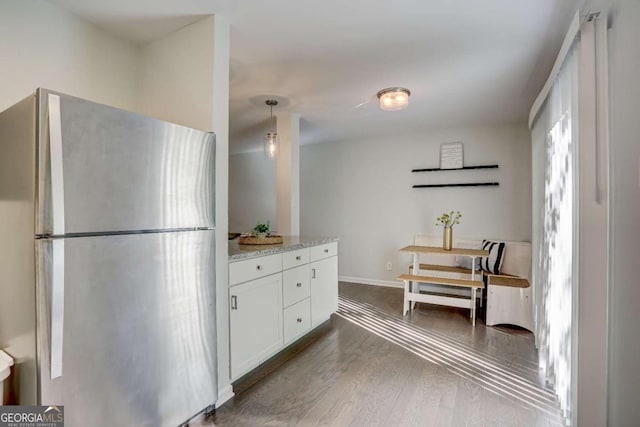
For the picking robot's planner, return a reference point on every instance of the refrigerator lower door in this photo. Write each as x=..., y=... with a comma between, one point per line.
x=138, y=333
x=102, y=169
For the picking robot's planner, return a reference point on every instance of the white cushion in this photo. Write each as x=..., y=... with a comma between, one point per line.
x=517, y=259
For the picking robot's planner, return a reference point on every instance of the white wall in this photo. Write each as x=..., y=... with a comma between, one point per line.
x=288, y=175
x=361, y=192
x=590, y=244
x=221, y=61
x=624, y=293
x=45, y=46
x=175, y=78
x=184, y=78
x=252, y=191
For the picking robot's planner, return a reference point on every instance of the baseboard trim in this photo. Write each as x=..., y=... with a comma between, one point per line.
x=224, y=395
x=373, y=282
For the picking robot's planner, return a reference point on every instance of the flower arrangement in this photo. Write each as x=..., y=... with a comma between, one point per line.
x=261, y=230
x=261, y=234
x=448, y=220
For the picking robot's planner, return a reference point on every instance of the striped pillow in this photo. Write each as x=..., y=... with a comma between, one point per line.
x=492, y=263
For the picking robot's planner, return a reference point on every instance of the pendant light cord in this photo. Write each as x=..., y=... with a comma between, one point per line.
x=271, y=107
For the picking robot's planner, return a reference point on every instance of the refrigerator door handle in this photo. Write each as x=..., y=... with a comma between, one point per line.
x=57, y=307
x=57, y=175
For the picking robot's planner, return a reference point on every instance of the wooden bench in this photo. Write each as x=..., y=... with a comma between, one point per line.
x=450, y=269
x=508, y=280
x=446, y=268
x=508, y=301
x=509, y=295
x=411, y=295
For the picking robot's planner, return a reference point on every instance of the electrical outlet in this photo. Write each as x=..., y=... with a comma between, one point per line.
x=389, y=266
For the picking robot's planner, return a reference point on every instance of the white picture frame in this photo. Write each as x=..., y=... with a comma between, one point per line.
x=451, y=155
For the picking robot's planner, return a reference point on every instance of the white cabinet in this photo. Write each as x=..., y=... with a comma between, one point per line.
x=276, y=299
x=255, y=319
x=324, y=289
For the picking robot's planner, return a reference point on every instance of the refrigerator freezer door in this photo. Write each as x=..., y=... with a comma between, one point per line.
x=139, y=335
x=121, y=171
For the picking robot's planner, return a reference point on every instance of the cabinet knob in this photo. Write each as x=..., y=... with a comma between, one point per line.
x=234, y=302
x=299, y=319
x=298, y=258
x=299, y=285
x=326, y=251
x=258, y=267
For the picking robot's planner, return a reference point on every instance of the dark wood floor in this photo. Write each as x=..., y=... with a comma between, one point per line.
x=371, y=367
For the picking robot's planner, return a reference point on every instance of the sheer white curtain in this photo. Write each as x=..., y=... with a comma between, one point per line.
x=554, y=144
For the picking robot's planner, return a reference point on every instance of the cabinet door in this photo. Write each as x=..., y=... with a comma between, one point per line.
x=255, y=322
x=324, y=289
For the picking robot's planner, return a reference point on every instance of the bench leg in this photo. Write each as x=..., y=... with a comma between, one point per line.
x=415, y=287
x=405, y=306
x=416, y=270
x=412, y=287
x=473, y=306
x=480, y=298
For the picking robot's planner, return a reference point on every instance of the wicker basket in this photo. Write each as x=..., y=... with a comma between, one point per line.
x=253, y=240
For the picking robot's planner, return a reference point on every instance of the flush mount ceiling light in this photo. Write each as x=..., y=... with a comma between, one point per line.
x=271, y=137
x=394, y=98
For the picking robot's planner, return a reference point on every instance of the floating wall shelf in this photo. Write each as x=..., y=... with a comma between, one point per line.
x=462, y=168
x=470, y=184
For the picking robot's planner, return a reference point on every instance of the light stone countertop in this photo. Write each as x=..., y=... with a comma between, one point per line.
x=290, y=243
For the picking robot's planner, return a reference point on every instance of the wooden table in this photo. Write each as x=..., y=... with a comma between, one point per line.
x=413, y=295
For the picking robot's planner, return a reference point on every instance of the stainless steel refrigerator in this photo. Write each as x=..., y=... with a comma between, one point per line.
x=107, y=297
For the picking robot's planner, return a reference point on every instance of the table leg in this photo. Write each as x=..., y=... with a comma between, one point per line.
x=416, y=271
x=405, y=306
x=473, y=275
x=473, y=306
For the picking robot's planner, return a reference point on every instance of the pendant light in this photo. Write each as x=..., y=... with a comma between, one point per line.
x=271, y=137
x=394, y=98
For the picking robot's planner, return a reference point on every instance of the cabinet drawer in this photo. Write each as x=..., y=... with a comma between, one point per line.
x=295, y=258
x=295, y=285
x=323, y=251
x=243, y=271
x=297, y=320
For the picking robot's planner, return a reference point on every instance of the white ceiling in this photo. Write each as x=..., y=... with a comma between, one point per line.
x=465, y=62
